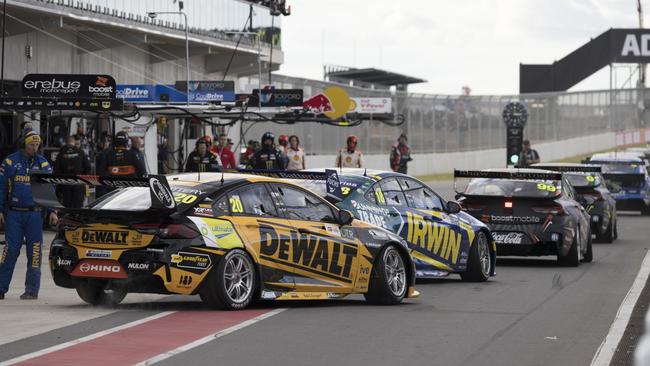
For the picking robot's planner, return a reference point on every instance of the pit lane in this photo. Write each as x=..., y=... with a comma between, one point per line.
x=533, y=312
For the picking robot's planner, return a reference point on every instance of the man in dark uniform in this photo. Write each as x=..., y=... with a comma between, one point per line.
x=528, y=156
x=71, y=160
x=201, y=159
x=269, y=157
x=120, y=161
x=400, y=155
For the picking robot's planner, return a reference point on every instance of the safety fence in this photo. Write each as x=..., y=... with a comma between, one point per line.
x=453, y=123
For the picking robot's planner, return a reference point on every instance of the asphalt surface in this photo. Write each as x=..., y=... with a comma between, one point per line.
x=532, y=313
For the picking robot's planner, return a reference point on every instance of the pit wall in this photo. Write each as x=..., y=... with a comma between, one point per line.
x=440, y=163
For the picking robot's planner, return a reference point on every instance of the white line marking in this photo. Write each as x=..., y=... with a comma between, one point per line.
x=605, y=352
x=211, y=337
x=61, y=346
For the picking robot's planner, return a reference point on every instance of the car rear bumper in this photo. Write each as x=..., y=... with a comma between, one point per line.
x=535, y=250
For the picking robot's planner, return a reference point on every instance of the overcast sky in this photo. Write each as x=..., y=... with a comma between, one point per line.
x=450, y=43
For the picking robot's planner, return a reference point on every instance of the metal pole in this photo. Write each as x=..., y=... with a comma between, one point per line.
x=187, y=61
x=2, y=67
x=259, y=70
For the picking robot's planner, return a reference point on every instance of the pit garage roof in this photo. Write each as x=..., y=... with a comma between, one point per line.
x=374, y=76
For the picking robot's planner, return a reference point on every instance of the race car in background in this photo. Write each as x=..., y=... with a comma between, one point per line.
x=442, y=239
x=531, y=212
x=229, y=238
x=627, y=178
x=592, y=193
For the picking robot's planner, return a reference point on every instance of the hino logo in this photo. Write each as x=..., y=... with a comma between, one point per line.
x=635, y=47
x=87, y=267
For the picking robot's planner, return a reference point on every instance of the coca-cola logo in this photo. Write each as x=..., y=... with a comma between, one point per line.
x=508, y=238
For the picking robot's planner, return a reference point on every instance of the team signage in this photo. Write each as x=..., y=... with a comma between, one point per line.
x=209, y=90
x=631, y=45
x=69, y=86
x=62, y=104
x=136, y=93
x=271, y=97
x=371, y=105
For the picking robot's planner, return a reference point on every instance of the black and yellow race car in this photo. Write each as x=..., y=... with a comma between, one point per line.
x=230, y=238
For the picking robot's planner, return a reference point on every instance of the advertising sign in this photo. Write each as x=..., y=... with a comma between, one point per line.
x=136, y=93
x=372, y=105
x=209, y=90
x=69, y=86
x=272, y=97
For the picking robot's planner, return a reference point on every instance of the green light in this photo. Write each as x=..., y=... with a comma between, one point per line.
x=514, y=158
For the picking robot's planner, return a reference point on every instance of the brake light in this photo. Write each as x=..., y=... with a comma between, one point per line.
x=507, y=204
x=553, y=210
x=167, y=231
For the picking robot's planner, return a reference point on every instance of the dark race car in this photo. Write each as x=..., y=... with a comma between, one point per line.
x=531, y=212
x=627, y=178
x=441, y=238
x=229, y=238
x=593, y=194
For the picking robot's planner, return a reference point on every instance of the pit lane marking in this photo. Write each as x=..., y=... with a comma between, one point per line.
x=209, y=338
x=605, y=352
x=65, y=345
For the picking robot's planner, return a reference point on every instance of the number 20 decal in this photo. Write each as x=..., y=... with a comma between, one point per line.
x=235, y=204
x=184, y=198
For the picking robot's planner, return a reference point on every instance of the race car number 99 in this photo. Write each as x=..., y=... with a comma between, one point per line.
x=546, y=187
x=184, y=198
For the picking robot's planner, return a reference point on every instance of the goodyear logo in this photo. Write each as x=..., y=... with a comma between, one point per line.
x=433, y=238
x=191, y=260
x=104, y=237
x=311, y=253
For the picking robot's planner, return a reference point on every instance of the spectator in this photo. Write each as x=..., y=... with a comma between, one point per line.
x=295, y=154
x=350, y=156
x=71, y=160
x=269, y=157
x=225, y=154
x=202, y=159
x=528, y=156
x=400, y=155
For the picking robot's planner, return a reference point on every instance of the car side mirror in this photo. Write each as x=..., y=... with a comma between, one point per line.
x=345, y=217
x=453, y=207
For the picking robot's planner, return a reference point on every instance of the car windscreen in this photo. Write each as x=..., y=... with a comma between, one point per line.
x=620, y=168
x=583, y=180
x=513, y=188
x=124, y=199
x=348, y=184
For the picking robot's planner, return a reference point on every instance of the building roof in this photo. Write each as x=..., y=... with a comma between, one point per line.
x=371, y=76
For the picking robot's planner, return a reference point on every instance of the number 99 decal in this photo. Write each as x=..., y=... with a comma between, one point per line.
x=546, y=187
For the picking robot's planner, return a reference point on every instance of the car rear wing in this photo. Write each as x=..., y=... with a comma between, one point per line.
x=44, y=193
x=330, y=177
x=570, y=169
x=516, y=175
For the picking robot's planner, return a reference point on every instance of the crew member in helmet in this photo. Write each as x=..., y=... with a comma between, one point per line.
x=350, y=156
x=119, y=160
x=202, y=159
x=269, y=157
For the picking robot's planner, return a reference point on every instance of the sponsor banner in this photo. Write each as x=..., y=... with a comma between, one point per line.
x=508, y=237
x=271, y=97
x=63, y=104
x=98, y=253
x=136, y=93
x=372, y=105
x=100, y=269
x=630, y=45
x=191, y=260
x=69, y=86
x=515, y=219
x=208, y=90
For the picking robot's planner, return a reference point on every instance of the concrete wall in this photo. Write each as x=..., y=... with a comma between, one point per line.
x=424, y=164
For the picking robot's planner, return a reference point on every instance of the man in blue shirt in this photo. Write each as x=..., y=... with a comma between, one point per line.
x=24, y=219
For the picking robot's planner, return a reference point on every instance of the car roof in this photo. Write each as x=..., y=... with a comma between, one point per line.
x=617, y=156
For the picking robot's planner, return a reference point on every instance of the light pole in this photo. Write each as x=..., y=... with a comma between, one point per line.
x=153, y=15
x=259, y=62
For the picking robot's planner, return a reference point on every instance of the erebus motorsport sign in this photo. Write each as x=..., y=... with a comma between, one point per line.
x=100, y=269
x=69, y=86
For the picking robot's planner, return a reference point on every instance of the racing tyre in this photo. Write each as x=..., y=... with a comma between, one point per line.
x=97, y=294
x=615, y=229
x=572, y=258
x=231, y=284
x=645, y=210
x=478, y=265
x=388, y=282
x=608, y=235
x=589, y=254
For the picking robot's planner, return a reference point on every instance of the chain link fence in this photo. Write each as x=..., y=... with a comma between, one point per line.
x=452, y=123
